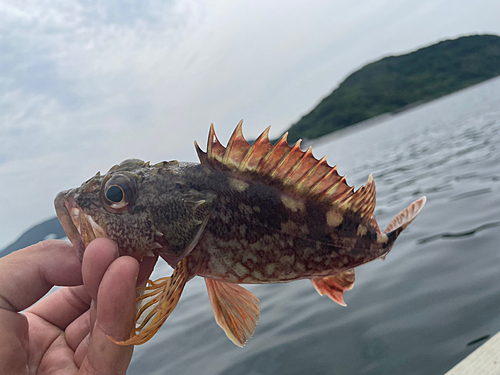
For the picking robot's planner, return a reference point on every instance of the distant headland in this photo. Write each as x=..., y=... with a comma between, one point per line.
x=395, y=83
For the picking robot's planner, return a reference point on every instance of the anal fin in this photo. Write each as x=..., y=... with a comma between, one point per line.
x=155, y=304
x=236, y=310
x=334, y=286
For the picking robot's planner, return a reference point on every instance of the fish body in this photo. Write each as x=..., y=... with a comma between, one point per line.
x=257, y=233
x=247, y=214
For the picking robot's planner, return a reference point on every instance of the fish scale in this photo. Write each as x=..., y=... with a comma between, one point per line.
x=274, y=233
x=247, y=214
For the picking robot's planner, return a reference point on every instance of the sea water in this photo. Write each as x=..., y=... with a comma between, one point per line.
x=433, y=300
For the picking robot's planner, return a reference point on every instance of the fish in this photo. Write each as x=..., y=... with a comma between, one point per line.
x=246, y=214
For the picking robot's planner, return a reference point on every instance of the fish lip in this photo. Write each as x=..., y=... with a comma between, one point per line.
x=63, y=214
x=74, y=221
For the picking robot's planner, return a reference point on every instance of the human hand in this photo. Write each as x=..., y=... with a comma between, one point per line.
x=66, y=333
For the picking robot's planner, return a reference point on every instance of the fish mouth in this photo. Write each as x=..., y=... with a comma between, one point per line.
x=80, y=228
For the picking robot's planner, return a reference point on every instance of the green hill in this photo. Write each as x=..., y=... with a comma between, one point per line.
x=394, y=82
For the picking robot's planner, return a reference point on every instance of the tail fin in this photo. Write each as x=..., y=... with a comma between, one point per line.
x=405, y=217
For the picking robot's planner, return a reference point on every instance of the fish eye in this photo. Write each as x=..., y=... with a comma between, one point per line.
x=115, y=194
x=118, y=193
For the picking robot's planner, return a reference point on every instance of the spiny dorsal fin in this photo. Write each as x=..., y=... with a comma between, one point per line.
x=363, y=200
x=299, y=172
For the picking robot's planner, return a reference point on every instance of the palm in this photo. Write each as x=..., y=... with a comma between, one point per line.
x=55, y=345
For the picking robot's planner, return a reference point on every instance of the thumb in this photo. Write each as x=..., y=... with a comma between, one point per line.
x=115, y=318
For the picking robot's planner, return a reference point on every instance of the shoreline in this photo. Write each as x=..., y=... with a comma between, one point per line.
x=347, y=130
x=378, y=119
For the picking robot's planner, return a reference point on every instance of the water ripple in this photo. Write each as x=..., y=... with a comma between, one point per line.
x=469, y=194
x=459, y=234
x=419, y=312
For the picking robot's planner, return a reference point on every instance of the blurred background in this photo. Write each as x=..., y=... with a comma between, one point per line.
x=86, y=84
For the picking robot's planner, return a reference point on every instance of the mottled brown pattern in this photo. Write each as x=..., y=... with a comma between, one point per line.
x=250, y=229
x=247, y=214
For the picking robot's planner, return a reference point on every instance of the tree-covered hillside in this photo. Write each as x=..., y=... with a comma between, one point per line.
x=394, y=82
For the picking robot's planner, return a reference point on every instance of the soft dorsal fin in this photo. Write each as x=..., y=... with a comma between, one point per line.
x=297, y=171
x=405, y=217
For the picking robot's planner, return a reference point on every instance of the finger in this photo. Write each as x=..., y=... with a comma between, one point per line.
x=48, y=350
x=145, y=269
x=98, y=255
x=77, y=330
x=83, y=347
x=81, y=351
x=115, y=318
x=48, y=318
x=28, y=274
x=62, y=307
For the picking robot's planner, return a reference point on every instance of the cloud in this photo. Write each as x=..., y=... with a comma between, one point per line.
x=85, y=84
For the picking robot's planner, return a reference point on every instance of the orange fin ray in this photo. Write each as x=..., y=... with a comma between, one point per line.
x=256, y=152
x=155, y=304
x=405, y=217
x=363, y=200
x=334, y=286
x=313, y=176
x=236, y=148
x=296, y=171
x=236, y=310
x=214, y=148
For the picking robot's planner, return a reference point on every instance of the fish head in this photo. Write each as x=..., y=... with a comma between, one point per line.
x=119, y=205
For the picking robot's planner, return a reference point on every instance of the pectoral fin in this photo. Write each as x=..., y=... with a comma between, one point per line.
x=236, y=310
x=180, y=231
x=334, y=286
x=159, y=298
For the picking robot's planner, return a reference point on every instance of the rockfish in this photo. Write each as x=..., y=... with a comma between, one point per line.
x=247, y=214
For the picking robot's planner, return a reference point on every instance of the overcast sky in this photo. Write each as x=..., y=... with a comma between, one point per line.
x=85, y=84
